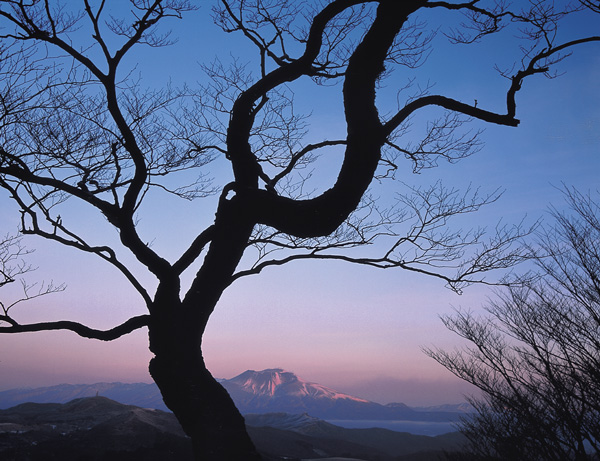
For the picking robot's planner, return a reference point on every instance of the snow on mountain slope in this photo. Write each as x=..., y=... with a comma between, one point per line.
x=275, y=390
x=275, y=382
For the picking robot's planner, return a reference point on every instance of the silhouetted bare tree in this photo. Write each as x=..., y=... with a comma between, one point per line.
x=75, y=125
x=537, y=357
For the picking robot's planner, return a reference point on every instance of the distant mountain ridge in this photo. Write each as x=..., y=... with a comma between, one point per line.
x=140, y=394
x=268, y=391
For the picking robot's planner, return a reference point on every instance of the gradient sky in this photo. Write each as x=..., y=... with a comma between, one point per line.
x=357, y=329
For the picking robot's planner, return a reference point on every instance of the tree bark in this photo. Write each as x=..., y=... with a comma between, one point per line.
x=204, y=409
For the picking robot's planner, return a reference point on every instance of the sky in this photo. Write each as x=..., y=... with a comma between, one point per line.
x=356, y=329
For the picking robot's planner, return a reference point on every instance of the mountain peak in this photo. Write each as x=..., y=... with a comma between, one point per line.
x=276, y=382
x=265, y=382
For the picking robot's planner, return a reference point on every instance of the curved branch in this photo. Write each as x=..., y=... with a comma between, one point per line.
x=127, y=327
x=245, y=167
x=507, y=119
x=298, y=156
x=323, y=214
x=95, y=20
x=450, y=104
x=141, y=26
x=531, y=68
x=454, y=283
x=192, y=253
x=105, y=252
x=20, y=171
x=30, y=31
x=429, y=245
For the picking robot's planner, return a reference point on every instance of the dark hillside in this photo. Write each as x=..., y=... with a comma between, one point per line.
x=100, y=429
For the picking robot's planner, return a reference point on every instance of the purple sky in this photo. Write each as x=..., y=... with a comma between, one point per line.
x=356, y=329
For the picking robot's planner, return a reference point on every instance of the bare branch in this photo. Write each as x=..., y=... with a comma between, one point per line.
x=192, y=253
x=426, y=244
x=127, y=327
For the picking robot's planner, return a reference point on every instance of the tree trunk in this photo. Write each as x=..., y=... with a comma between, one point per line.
x=204, y=409
x=202, y=406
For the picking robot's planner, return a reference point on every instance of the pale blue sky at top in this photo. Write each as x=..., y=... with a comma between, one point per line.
x=339, y=325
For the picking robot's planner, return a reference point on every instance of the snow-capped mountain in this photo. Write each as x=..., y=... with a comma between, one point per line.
x=279, y=391
x=275, y=382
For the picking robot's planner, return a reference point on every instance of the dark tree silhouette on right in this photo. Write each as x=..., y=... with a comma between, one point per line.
x=536, y=357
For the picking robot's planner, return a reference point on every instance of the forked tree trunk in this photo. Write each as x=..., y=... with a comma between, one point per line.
x=204, y=409
x=202, y=406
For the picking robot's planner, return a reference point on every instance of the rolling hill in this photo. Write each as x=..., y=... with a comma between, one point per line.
x=97, y=428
